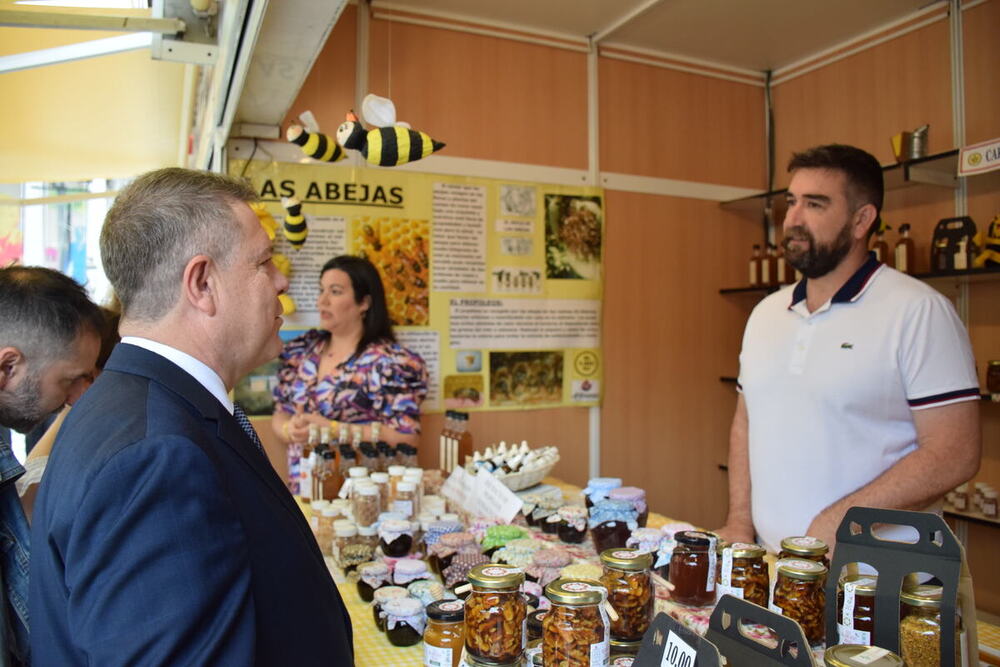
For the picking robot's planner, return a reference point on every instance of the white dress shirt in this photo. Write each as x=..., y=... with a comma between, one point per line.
x=205, y=376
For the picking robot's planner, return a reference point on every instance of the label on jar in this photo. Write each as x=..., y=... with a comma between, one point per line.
x=848, y=635
x=775, y=608
x=404, y=507
x=727, y=567
x=524, y=633
x=870, y=656
x=723, y=589
x=847, y=614
x=435, y=656
x=960, y=502
x=600, y=653
x=710, y=576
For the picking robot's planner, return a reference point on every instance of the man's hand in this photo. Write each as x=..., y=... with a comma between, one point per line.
x=824, y=527
x=735, y=533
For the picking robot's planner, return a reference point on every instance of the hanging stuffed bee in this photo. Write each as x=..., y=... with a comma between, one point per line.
x=388, y=144
x=314, y=143
x=295, y=228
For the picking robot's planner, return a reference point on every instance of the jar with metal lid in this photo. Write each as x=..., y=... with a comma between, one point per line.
x=534, y=625
x=742, y=572
x=637, y=498
x=630, y=591
x=404, y=621
x=799, y=595
x=365, y=504
x=495, y=614
x=395, y=537
x=611, y=523
x=533, y=656
x=989, y=506
x=805, y=547
x=316, y=508
x=406, y=455
x=324, y=530
x=575, y=630
x=380, y=597
x=445, y=633
x=408, y=570
x=692, y=568
x=354, y=555
x=371, y=577
x=344, y=535
x=598, y=489
x=381, y=480
x=573, y=528
x=552, y=522
x=624, y=649
x=853, y=655
x=856, y=609
x=920, y=626
x=405, y=500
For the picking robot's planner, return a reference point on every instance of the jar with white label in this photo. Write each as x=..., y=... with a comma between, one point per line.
x=989, y=506
x=856, y=608
x=496, y=614
x=445, y=633
x=799, y=595
x=365, y=503
x=344, y=535
x=405, y=501
x=961, y=498
x=575, y=631
x=630, y=591
x=742, y=572
x=692, y=568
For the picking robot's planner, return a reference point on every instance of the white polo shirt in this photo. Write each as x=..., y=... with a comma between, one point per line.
x=829, y=394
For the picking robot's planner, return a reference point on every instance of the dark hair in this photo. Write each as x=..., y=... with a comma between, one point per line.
x=43, y=312
x=862, y=171
x=157, y=224
x=365, y=281
x=109, y=334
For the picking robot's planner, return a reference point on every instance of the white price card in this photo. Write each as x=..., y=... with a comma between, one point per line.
x=677, y=652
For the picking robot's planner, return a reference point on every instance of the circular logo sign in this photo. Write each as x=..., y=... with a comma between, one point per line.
x=451, y=606
x=625, y=554
x=586, y=363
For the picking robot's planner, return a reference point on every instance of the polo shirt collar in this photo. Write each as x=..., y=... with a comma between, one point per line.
x=851, y=290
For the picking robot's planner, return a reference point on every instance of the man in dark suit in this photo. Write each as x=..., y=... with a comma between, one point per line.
x=162, y=535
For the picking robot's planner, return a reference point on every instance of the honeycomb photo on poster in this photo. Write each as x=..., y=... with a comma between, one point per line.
x=573, y=237
x=526, y=378
x=400, y=250
x=463, y=391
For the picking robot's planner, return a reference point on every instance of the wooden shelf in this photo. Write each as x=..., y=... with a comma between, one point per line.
x=965, y=276
x=726, y=378
x=975, y=517
x=763, y=289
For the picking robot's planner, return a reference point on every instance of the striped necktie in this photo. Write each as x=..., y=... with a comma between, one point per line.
x=244, y=422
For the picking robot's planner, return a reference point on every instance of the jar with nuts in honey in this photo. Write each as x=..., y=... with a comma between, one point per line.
x=856, y=609
x=495, y=614
x=805, y=547
x=742, y=572
x=692, y=568
x=445, y=633
x=799, y=595
x=575, y=630
x=630, y=591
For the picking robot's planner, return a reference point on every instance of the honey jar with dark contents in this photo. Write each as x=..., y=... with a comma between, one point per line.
x=856, y=609
x=805, y=547
x=742, y=572
x=692, y=568
x=799, y=595
x=445, y=633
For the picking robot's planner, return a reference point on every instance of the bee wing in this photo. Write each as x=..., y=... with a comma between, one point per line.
x=378, y=111
x=403, y=123
x=309, y=122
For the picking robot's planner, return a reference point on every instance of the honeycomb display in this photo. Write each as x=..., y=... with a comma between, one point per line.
x=399, y=248
x=526, y=377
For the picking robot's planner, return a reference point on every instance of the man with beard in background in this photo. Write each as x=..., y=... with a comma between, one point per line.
x=857, y=385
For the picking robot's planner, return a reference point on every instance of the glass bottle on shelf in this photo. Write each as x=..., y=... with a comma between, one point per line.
x=880, y=247
x=904, y=252
x=769, y=266
x=755, y=266
x=464, y=445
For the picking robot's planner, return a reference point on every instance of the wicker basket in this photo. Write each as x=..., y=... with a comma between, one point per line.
x=522, y=479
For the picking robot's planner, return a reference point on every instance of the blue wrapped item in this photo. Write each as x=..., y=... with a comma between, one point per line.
x=613, y=510
x=438, y=528
x=599, y=487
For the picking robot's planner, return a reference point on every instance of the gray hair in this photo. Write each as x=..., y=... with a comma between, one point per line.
x=157, y=224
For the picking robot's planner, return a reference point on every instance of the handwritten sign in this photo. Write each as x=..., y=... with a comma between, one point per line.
x=677, y=652
x=483, y=495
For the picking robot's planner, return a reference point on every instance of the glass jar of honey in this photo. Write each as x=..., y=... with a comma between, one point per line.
x=575, y=629
x=445, y=633
x=630, y=591
x=856, y=609
x=742, y=572
x=799, y=595
x=805, y=547
x=692, y=568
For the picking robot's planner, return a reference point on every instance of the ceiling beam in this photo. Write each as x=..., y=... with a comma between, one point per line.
x=71, y=52
x=622, y=20
x=28, y=19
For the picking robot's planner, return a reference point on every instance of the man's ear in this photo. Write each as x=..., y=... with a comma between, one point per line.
x=864, y=218
x=198, y=286
x=10, y=359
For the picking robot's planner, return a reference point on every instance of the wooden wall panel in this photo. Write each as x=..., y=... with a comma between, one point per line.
x=485, y=97
x=868, y=97
x=668, y=336
x=981, y=64
x=670, y=124
x=328, y=91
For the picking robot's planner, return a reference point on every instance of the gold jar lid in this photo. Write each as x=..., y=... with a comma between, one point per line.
x=627, y=559
x=743, y=549
x=575, y=592
x=852, y=655
x=994, y=362
x=924, y=595
x=622, y=646
x=496, y=576
x=805, y=545
x=797, y=568
x=863, y=583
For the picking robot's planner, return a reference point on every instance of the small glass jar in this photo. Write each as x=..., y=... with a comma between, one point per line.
x=344, y=535
x=354, y=555
x=380, y=597
x=445, y=633
x=405, y=501
x=371, y=577
x=386, y=455
x=551, y=524
x=368, y=536
x=404, y=621
x=534, y=626
x=635, y=496
x=315, y=512
x=365, y=504
x=989, y=506
x=395, y=537
x=799, y=595
x=692, y=568
x=920, y=626
x=856, y=609
x=495, y=613
x=611, y=523
x=348, y=460
x=573, y=528
x=396, y=473
x=575, y=629
x=324, y=530
x=742, y=572
x=853, y=655
x=961, y=498
x=368, y=457
x=406, y=455
x=993, y=378
x=408, y=570
x=630, y=591
x=441, y=553
x=624, y=649
x=381, y=480
x=805, y=547
x=598, y=488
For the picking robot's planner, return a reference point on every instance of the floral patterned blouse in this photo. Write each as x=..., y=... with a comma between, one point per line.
x=385, y=383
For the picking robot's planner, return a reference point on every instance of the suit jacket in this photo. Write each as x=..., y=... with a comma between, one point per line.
x=163, y=536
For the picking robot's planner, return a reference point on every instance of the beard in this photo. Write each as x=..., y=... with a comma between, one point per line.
x=21, y=409
x=817, y=260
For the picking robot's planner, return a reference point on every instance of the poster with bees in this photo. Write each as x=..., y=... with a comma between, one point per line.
x=495, y=284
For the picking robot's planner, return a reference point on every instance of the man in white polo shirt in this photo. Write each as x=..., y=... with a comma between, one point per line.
x=857, y=385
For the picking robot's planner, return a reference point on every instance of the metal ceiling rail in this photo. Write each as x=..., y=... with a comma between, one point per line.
x=29, y=19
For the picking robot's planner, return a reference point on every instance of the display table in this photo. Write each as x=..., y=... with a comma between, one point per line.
x=372, y=648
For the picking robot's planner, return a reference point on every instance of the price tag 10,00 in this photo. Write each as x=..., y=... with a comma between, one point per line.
x=677, y=652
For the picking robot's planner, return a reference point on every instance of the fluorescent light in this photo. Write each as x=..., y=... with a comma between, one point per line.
x=90, y=4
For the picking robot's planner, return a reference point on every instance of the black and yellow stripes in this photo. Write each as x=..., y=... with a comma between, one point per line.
x=294, y=227
x=392, y=146
x=318, y=146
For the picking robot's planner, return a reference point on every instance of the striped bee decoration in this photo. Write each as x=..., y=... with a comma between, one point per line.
x=393, y=146
x=294, y=227
x=316, y=145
